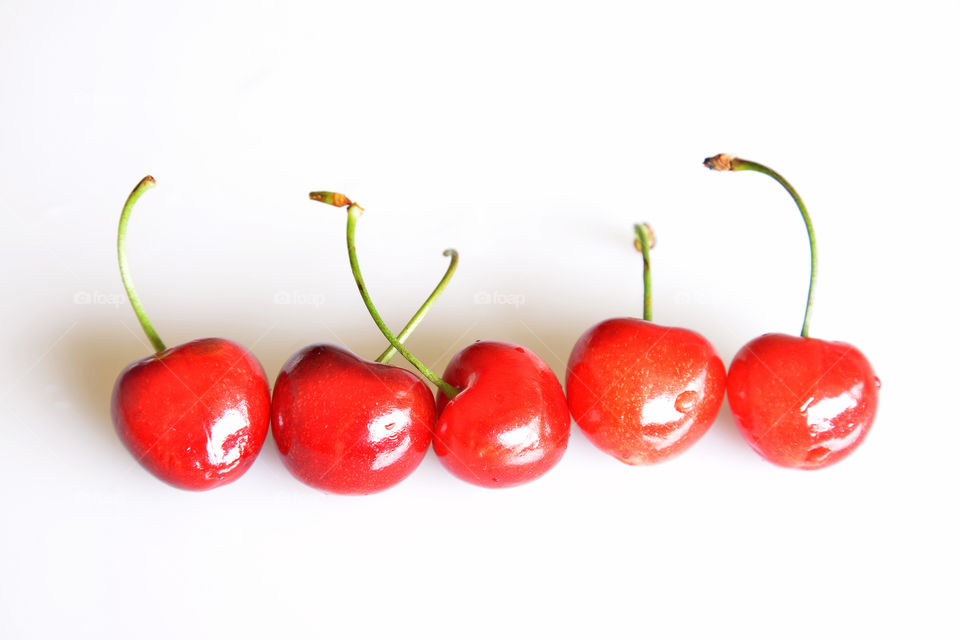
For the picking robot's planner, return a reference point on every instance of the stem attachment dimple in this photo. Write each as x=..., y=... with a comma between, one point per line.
x=725, y=162
x=147, y=183
x=644, y=240
x=354, y=212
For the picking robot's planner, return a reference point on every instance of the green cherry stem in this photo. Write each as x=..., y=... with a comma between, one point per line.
x=144, y=185
x=643, y=240
x=391, y=351
x=724, y=162
x=353, y=214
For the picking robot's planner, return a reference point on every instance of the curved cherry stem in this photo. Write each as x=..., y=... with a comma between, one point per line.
x=391, y=351
x=643, y=241
x=724, y=162
x=353, y=214
x=147, y=183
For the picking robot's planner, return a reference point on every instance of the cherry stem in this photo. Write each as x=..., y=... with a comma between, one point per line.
x=643, y=240
x=391, y=351
x=353, y=214
x=147, y=183
x=724, y=162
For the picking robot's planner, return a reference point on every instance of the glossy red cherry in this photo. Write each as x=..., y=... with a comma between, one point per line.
x=800, y=402
x=195, y=415
x=642, y=392
x=509, y=424
x=348, y=425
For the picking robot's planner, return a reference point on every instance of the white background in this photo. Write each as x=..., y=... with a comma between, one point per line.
x=530, y=137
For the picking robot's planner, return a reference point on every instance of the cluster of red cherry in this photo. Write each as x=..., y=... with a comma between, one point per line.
x=196, y=415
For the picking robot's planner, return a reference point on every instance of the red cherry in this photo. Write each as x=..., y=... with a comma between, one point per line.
x=509, y=424
x=799, y=402
x=642, y=392
x=802, y=402
x=195, y=415
x=348, y=425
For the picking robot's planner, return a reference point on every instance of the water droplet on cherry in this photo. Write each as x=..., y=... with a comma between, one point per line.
x=686, y=401
x=876, y=380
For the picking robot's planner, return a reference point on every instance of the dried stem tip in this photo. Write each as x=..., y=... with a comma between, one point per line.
x=329, y=197
x=720, y=162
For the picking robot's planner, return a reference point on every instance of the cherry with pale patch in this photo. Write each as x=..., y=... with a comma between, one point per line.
x=642, y=392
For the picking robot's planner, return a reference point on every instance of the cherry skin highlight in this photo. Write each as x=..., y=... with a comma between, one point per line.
x=802, y=402
x=641, y=392
x=348, y=425
x=509, y=424
x=194, y=415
